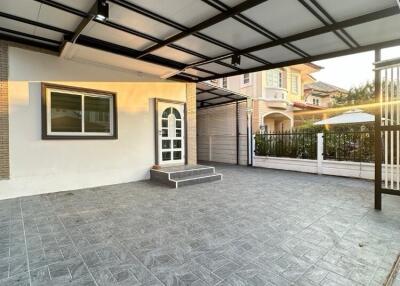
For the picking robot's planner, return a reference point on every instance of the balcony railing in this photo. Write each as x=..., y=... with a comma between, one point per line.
x=275, y=94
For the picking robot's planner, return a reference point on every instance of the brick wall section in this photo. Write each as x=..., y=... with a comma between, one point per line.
x=4, y=125
x=191, y=122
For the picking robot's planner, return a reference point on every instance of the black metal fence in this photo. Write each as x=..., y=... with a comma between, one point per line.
x=349, y=146
x=338, y=145
x=295, y=144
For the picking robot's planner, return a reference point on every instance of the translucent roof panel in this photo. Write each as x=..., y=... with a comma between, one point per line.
x=210, y=95
x=198, y=39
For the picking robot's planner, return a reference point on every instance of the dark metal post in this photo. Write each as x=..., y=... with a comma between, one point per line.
x=248, y=138
x=249, y=134
x=378, y=142
x=237, y=133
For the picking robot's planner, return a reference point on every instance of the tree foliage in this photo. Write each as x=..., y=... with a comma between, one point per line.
x=361, y=94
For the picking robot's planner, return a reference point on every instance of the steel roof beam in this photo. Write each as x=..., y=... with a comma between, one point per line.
x=211, y=91
x=310, y=33
x=335, y=54
x=34, y=23
x=319, y=17
x=333, y=21
x=68, y=35
x=205, y=24
x=131, y=31
x=205, y=90
x=93, y=43
x=217, y=4
x=230, y=96
x=34, y=37
x=81, y=27
x=30, y=42
x=221, y=103
x=142, y=11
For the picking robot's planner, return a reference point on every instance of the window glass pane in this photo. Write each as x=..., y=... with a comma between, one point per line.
x=177, y=155
x=295, y=83
x=166, y=112
x=166, y=156
x=166, y=144
x=97, y=114
x=177, y=144
x=274, y=78
x=178, y=124
x=224, y=82
x=176, y=113
x=164, y=133
x=164, y=123
x=66, y=112
x=246, y=78
x=178, y=133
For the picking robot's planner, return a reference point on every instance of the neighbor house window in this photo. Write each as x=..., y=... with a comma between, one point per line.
x=246, y=78
x=70, y=112
x=316, y=101
x=275, y=78
x=224, y=82
x=295, y=83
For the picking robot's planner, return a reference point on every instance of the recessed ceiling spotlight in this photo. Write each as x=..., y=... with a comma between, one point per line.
x=102, y=10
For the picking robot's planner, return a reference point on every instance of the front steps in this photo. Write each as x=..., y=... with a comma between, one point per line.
x=179, y=176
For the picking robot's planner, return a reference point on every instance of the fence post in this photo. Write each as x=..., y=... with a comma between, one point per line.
x=253, y=148
x=320, y=151
x=210, y=148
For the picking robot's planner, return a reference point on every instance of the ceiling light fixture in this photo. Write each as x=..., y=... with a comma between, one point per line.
x=102, y=10
x=235, y=61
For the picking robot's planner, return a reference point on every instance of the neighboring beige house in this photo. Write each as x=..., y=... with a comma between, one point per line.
x=276, y=94
x=322, y=94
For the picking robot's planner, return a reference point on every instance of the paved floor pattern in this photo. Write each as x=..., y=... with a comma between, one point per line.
x=257, y=227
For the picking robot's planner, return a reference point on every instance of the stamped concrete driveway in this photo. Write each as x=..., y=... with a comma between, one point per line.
x=257, y=227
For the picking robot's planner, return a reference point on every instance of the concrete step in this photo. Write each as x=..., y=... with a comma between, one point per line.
x=193, y=180
x=184, y=175
x=203, y=171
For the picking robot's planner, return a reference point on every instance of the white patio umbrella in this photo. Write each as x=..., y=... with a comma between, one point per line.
x=352, y=116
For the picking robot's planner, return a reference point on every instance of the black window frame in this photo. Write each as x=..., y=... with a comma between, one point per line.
x=45, y=131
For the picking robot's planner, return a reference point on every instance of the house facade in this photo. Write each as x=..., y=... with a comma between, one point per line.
x=276, y=94
x=69, y=124
x=322, y=94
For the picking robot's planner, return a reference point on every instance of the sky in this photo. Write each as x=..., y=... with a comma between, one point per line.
x=353, y=70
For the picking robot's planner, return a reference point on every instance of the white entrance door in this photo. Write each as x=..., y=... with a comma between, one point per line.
x=171, y=137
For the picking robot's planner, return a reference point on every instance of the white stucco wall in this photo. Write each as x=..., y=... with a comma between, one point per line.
x=41, y=166
x=333, y=168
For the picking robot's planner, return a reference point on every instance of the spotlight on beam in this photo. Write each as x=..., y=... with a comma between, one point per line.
x=102, y=10
x=235, y=61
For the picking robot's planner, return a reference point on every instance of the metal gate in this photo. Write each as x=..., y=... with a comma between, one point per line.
x=387, y=128
x=222, y=133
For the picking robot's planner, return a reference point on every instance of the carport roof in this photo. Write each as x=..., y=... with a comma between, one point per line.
x=209, y=95
x=194, y=40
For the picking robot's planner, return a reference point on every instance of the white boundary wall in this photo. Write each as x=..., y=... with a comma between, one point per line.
x=335, y=168
x=319, y=166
